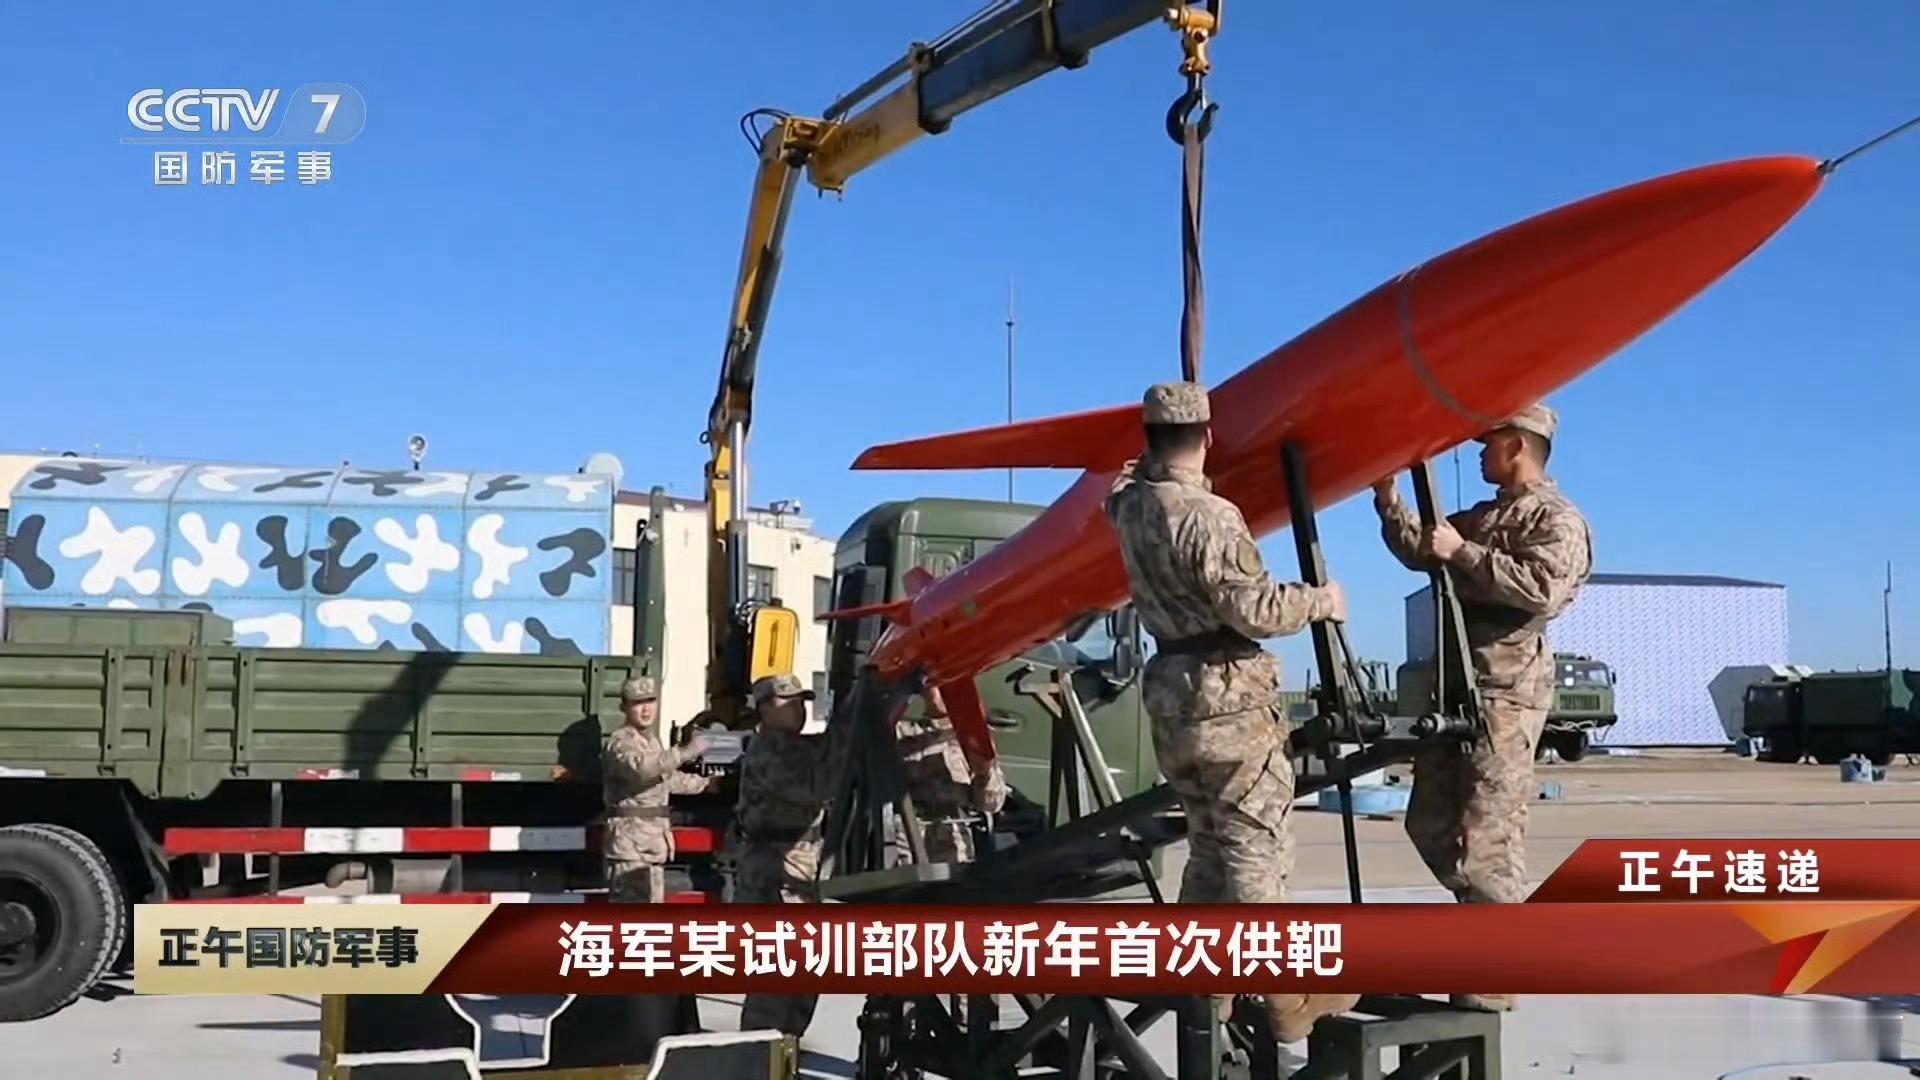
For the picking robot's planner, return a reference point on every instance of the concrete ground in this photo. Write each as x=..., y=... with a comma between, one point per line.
x=1667, y=794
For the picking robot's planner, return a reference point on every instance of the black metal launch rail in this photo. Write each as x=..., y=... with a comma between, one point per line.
x=1088, y=842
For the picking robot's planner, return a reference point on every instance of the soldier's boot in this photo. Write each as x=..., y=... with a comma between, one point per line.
x=1293, y=1015
x=1487, y=1002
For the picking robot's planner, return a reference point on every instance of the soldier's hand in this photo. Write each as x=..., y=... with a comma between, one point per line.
x=696, y=746
x=1385, y=489
x=1441, y=541
x=936, y=701
x=1336, y=601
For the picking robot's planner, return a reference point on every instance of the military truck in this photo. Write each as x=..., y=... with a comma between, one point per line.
x=1376, y=683
x=1100, y=654
x=143, y=757
x=1771, y=716
x=1583, y=705
x=1834, y=715
x=1583, y=702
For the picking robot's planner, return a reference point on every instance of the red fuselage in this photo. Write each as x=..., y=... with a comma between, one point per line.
x=1418, y=365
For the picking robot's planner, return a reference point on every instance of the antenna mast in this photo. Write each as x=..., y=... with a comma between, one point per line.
x=1010, y=374
x=1886, y=615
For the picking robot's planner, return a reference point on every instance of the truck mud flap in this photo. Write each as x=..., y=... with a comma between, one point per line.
x=463, y=1037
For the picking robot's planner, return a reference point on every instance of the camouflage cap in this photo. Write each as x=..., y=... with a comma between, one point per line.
x=779, y=686
x=640, y=688
x=1536, y=418
x=1176, y=403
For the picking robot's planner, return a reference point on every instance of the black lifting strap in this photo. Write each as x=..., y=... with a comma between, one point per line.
x=1189, y=122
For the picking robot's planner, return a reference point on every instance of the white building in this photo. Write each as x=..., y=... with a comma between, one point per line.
x=1666, y=637
x=786, y=562
x=12, y=468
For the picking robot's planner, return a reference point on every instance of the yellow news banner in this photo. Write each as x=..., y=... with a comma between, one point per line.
x=303, y=948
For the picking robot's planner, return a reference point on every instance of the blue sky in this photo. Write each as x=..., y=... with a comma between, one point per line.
x=493, y=262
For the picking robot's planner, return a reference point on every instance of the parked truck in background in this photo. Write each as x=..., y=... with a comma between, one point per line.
x=1582, y=706
x=1376, y=677
x=1833, y=715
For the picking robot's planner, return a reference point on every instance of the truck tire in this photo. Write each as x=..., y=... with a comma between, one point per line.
x=118, y=924
x=1573, y=745
x=62, y=916
x=1783, y=749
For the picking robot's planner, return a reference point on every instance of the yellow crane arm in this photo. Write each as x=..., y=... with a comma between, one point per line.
x=999, y=48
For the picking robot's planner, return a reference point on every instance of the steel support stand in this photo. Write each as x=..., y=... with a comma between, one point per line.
x=276, y=815
x=1340, y=695
x=1455, y=692
x=456, y=869
x=1099, y=778
x=1072, y=1038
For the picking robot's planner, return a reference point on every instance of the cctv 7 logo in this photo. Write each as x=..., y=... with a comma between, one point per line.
x=328, y=103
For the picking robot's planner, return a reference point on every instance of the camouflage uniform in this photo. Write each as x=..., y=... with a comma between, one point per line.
x=637, y=776
x=1527, y=552
x=1212, y=692
x=786, y=781
x=944, y=791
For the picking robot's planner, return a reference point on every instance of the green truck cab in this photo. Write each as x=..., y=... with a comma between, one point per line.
x=1101, y=653
x=1583, y=705
x=1583, y=702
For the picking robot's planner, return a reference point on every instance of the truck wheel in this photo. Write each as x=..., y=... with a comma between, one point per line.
x=1784, y=750
x=1573, y=745
x=118, y=924
x=1881, y=755
x=62, y=917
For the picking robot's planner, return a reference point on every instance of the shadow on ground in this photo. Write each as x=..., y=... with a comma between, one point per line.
x=825, y=1065
x=264, y=1025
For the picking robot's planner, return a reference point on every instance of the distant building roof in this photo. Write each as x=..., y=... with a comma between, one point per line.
x=1693, y=580
x=1713, y=580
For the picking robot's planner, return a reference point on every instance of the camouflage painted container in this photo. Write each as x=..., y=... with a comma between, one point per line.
x=341, y=558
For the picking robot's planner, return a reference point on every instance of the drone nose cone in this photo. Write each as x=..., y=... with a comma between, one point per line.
x=1502, y=321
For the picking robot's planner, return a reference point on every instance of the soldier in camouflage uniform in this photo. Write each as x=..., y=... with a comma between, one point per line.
x=637, y=774
x=786, y=781
x=1213, y=693
x=945, y=792
x=1517, y=561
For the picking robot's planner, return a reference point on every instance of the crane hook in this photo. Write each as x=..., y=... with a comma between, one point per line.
x=1180, y=115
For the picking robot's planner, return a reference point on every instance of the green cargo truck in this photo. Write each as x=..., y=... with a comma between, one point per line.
x=145, y=758
x=1583, y=705
x=1834, y=715
x=1583, y=702
x=1771, y=715
x=1376, y=682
